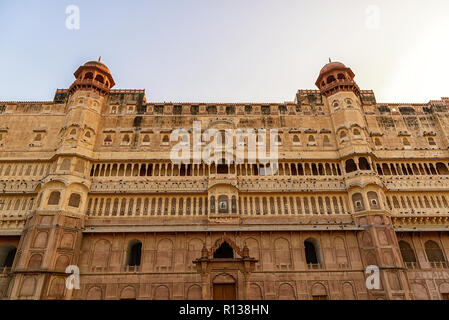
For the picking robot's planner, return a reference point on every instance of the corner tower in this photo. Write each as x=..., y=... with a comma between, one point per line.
x=86, y=100
x=53, y=232
x=378, y=242
x=342, y=97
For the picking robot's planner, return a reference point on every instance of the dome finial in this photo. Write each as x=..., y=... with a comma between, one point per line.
x=330, y=60
x=99, y=59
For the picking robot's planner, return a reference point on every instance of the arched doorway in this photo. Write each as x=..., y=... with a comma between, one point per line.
x=224, y=287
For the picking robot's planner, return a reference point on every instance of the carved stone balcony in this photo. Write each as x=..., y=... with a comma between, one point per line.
x=12, y=186
x=12, y=225
x=338, y=85
x=314, y=266
x=411, y=265
x=203, y=183
x=362, y=178
x=415, y=182
x=422, y=218
x=148, y=185
x=291, y=184
x=132, y=269
x=229, y=179
x=439, y=265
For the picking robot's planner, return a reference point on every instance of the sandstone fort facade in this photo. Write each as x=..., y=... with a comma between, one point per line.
x=87, y=180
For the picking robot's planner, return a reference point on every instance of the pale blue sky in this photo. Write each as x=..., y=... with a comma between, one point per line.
x=227, y=51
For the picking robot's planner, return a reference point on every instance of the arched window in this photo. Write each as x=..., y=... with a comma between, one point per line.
x=73, y=132
x=408, y=255
x=233, y=204
x=350, y=166
x=54, y=198
x=74, y=200
x=296, y=140
x=326, y=140
x=212, y=204
x=224, y=251
x=431, y=141
x=99, y=78
x=363, y=164
x=348, y=103
x=356, y=132
x=223, y=206
x=335, y=105
x=108, y=140
x=342, y=135
x=313, y=256
x=377, y=142
x=373, y=200
x=89, y=75
x=330, y=79
x=126, y=139
x=311, y=139
x=434, y=253
x=406, y=142
x=442, y=169
x=87, y=135
x=341, y=76
x=166, y=139
x=357, y=200
x=7, y=255
x=134, y=253
x=146, y=139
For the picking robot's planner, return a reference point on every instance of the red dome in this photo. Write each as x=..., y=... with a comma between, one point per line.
x=332, y=66
x=93, y=74
x=98, y=64
x=335, y=76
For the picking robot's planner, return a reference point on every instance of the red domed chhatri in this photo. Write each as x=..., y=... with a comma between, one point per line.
x=334, y=77
x=95, y=75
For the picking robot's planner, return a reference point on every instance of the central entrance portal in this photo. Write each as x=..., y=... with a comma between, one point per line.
x=224, y=291
x=225, y=270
